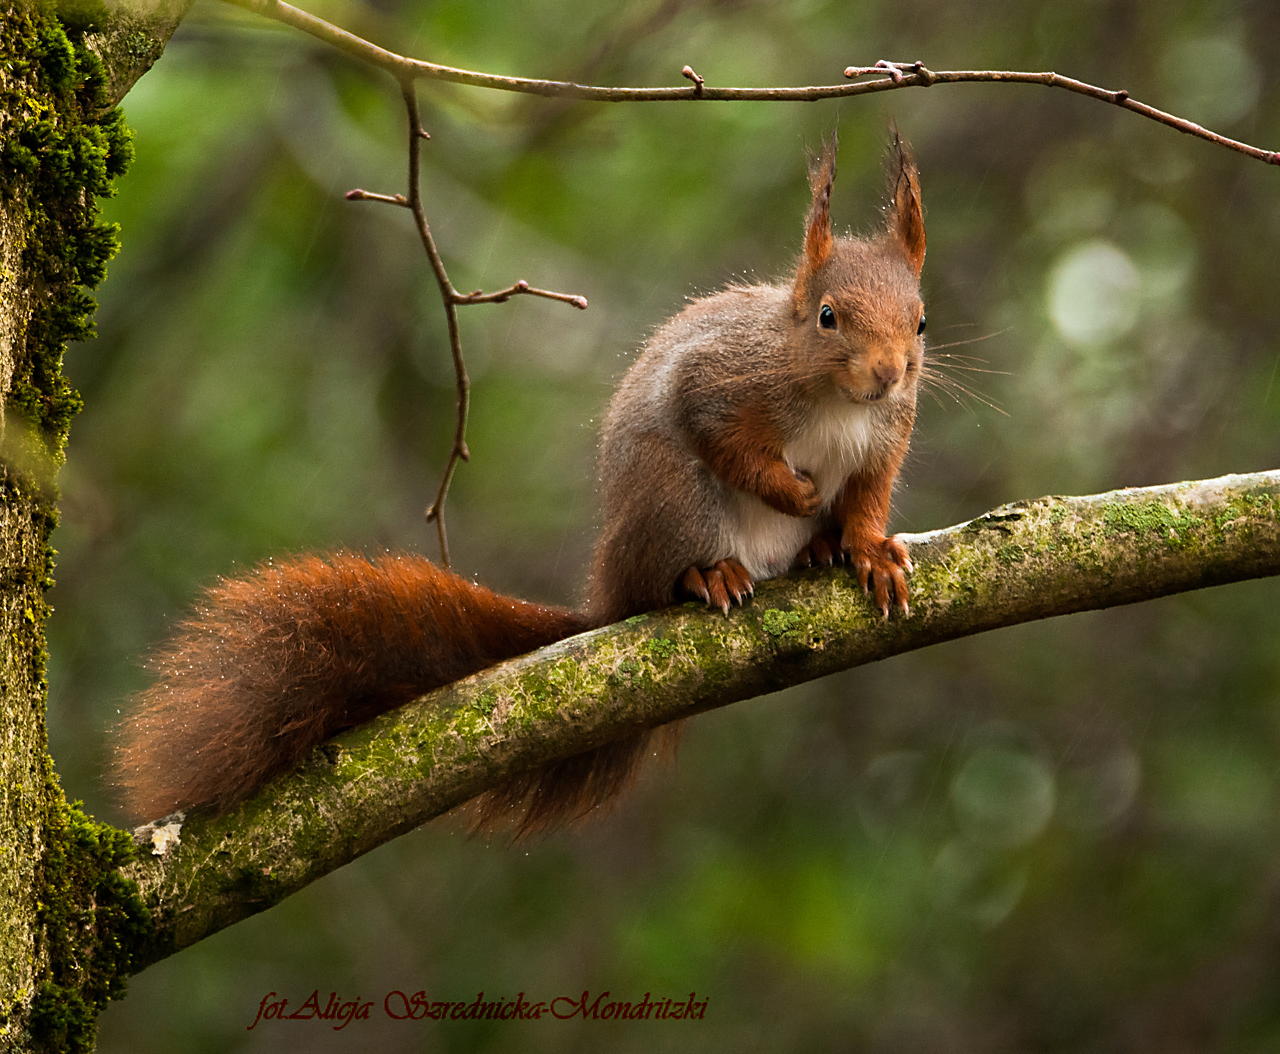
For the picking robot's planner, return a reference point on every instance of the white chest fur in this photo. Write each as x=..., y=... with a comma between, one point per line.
x=834, y=442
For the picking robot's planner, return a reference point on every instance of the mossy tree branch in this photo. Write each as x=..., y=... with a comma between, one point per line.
x=1021, y=562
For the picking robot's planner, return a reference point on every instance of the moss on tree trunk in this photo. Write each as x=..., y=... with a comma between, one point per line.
x=67, y=916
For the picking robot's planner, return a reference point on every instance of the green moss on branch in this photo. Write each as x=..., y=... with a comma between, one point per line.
x=92, y=919
x=1021, y=562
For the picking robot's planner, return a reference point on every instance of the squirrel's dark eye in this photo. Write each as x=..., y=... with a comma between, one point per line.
x=827, y=317
x=920, y=328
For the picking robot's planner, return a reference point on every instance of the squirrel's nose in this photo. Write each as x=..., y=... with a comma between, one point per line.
x=887, y=372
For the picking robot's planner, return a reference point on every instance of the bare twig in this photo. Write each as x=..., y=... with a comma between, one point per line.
x=915, y=74
x=898, y=75
x=451, y=299
x=503, y=295
x=368, y=195
x=448, y=295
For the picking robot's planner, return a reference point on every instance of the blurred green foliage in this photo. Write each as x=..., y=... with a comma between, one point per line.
x=1059, y=837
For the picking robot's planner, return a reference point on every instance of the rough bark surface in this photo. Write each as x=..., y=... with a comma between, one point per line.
x=67, y=918
x=23, y=779
x=131, y=37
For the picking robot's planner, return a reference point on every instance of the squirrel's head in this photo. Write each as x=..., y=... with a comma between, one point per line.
x=856, y=304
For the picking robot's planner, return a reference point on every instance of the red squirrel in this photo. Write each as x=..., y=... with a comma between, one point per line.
x=761, y=428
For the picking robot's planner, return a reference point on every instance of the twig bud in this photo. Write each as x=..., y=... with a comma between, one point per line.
x=890, y=68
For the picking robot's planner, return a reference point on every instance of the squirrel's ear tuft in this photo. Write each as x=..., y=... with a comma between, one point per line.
x=817, y=236
x=906, y=216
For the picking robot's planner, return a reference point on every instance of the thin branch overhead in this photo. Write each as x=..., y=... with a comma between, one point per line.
x=896, y=75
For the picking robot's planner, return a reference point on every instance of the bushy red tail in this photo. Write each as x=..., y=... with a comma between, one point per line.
x=272, y=664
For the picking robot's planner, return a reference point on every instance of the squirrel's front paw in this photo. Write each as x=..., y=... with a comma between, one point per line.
x=879, y=565
x=717, y=584
x=794, y=494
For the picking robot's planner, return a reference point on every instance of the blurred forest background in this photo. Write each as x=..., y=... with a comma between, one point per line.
x=1063, y=837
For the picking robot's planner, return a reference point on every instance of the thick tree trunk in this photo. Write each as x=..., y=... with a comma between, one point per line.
x=62, y=903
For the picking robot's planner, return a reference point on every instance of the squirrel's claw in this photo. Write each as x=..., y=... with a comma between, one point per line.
x=880, y=568
x=719, y=594
x=721, y=586
x=823, y=549
x=736, y=579
x=693, y=582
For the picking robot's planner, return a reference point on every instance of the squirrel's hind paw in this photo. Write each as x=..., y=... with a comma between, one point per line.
x=823, y=550
x=879, y=565
x=716, y=585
